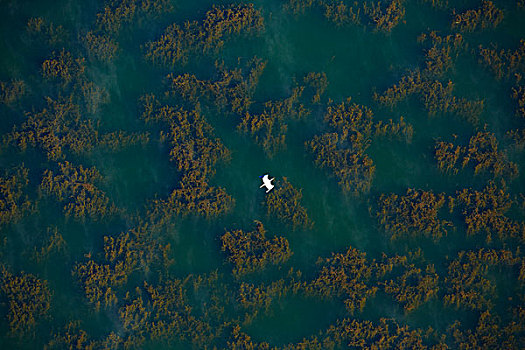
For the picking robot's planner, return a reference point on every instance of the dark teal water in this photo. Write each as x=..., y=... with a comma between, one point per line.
x=357, y=61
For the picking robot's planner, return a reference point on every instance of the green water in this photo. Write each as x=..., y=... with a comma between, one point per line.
x=357, y=61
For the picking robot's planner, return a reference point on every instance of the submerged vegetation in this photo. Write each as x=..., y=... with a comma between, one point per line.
x=232, y=90
x=13, y=203
x=195, y=152
x=101, y=47
x=284, y=203
x=55, y=245
x=135, y=250
x=269, y=127
x=76, y=188
x=351, y=166
x=343, y=151
x=206, y=36
x=59, y=129
x=482, y=153
x=193, y=148
x=28, y=301
x=486, y=16
x=484, y=212
x=129, y=191
x=252, y=251
x=117, y=13
x=11, y=91
x=345, y=275
x=414, y=213
x=435, y=96
x=194, y=196
x=380, y=15
x=504, y=63
x=467, y=279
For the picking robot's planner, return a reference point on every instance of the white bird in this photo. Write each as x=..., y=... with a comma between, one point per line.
x=267, y=182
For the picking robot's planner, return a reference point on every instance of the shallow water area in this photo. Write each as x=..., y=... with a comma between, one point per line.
x=135, y=133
